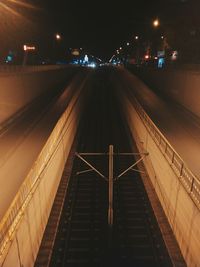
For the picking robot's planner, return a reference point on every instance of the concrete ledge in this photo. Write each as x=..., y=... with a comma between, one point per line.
x=182, y=213
x=23, y=242
x=183, y=86
x=20, y=88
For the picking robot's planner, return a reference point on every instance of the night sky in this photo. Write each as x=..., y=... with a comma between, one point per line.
x=98, y=26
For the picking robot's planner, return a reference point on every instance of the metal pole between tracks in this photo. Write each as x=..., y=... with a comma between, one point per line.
x=110, y=179
x=110, y=202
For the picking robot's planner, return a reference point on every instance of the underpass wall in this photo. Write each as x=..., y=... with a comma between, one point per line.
x=182, y=212
x=30, y=210
x=183, y=86
x=21, y=86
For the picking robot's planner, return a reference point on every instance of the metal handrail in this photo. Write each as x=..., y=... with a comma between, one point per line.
x=8, y=224
x=186, y=176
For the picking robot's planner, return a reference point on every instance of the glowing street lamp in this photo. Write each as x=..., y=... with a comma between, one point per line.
x=136, y=37
x=156, y=23
x=58, y=36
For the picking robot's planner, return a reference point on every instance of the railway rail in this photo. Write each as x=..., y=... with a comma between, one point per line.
x=90, y=232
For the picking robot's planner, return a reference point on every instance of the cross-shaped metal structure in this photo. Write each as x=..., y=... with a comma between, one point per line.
x=110, y=179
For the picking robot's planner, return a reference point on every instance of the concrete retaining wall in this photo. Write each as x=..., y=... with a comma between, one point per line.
x=18, y=88
x=22, y=248
x=182, y=213
x=181, y=85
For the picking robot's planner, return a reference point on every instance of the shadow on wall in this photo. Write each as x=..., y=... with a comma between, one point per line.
x=180, y=85
x=19, y=89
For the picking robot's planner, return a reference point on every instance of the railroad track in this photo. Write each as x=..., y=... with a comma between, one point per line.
x=83, y=236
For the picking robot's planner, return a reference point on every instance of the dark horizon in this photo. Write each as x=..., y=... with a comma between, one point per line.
x=98, y=27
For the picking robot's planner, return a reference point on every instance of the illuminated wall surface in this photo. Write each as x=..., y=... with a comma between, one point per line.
x=19, y=87
x=174, y=194
x=181, y=211
x=181, y=85
x=23, y=240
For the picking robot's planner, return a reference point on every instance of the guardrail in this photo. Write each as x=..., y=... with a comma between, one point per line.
x=17, y=68
x=187, y=178
x=15, y=212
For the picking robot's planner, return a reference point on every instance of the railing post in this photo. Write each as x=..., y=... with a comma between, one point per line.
x=173, y=157
x=181, y=170
x=191, y=189
x=160, y=140
x=110, y=202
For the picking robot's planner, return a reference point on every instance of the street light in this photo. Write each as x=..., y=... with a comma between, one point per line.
x=156, y=23
x=58, y=36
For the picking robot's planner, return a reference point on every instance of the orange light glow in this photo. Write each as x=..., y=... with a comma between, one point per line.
x=58, y=36
x=11, y=4
x=28, y=48
x=22, y=4
x=156, y=23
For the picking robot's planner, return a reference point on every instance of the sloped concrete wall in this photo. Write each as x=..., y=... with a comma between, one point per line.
x=182, y=213
x=18, y=88
x=181, y=85
x=24, y=245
